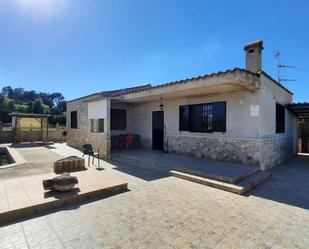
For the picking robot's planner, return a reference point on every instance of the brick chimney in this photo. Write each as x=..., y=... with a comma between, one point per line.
x=254, y=56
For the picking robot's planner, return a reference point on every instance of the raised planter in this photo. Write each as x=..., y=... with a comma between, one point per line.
x=69, y=164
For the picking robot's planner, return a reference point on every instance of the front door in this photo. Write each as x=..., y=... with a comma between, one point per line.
x=158, y=130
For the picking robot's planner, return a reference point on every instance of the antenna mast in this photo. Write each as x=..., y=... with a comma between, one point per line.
x=280, y=67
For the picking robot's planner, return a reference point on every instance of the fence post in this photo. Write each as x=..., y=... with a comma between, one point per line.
x=57, y=126
x=0, y=126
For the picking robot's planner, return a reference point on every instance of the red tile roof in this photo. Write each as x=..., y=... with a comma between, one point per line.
x=205, y=76
x=120, y=92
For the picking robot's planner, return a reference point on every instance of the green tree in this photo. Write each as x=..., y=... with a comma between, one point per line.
x=19, y=99
x=23, y=108
x=10, y=104
x=38, y=106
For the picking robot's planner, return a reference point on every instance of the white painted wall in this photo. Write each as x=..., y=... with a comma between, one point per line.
x=238, y=121
x=270, y=94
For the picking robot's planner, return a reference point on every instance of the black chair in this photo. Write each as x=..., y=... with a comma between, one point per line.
x=88, y=150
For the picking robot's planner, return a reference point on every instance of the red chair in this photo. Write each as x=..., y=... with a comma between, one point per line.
x=130, y=141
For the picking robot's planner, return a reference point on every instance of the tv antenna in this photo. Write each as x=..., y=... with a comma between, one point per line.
x=280, y=67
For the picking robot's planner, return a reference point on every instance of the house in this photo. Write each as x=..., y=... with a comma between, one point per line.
x=238, y=115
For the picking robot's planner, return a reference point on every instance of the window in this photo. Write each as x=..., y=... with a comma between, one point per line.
x=118, y=119
x=74, y=120
x=97, y=125
x=210, y=117
x=91, y=125
x=280, y=118
x=100, y=125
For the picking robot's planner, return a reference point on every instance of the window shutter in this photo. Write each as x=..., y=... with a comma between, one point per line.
x=196, y=118
x=219, y=117
x=280, y=118
x=100, y=125
x=74, y=120
x=184, y=118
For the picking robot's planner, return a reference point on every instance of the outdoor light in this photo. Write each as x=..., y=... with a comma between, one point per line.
x=161, y=104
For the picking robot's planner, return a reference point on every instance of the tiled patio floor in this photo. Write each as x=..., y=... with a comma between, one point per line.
x=24, y=196
x=167, y=212
x=225, y=171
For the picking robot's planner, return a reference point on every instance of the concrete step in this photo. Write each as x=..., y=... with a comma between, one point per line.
x=221, y=178
x=165, y=167
x=238, y=188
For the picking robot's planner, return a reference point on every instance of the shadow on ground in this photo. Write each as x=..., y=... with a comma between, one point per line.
x=145, y=174
x=25, y=145
x=67, y=206
x=289, y=183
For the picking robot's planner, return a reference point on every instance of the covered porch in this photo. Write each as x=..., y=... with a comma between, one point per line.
x=301, y=110
x=148, y=118
x=231, y=177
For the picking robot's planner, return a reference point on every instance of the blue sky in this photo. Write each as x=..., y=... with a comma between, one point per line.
x=78, y=47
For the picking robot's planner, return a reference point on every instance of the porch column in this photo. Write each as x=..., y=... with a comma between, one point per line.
x=107, y=129
x=14, y=128
x=44, y=129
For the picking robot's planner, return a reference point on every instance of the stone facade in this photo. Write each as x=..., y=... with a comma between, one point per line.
x=225, y=149
x=264, y=153
x=82, y=135
x=275, y=150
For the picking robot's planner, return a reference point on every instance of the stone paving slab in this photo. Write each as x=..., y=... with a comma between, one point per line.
x=24, y=196
x=218, y=170
x=166, y=212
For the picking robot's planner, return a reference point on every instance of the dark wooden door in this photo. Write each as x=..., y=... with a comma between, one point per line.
x=305, y=145
x=158, y=130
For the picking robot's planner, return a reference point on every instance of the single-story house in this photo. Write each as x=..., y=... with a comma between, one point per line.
x=238, y=115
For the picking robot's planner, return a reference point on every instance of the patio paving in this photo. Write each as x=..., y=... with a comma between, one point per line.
x=166, y=212
x=218, y=170
x=24, y=196
x=289, y=183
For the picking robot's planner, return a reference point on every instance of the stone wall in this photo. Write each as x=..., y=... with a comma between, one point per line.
x=99, y=141
x=275, y=150
x=82, y=135
x=225, y=149
x=264, y=153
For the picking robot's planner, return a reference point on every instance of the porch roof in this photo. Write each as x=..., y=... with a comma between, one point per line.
x=231, y=80
x=28, y=115
x=301, y=110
